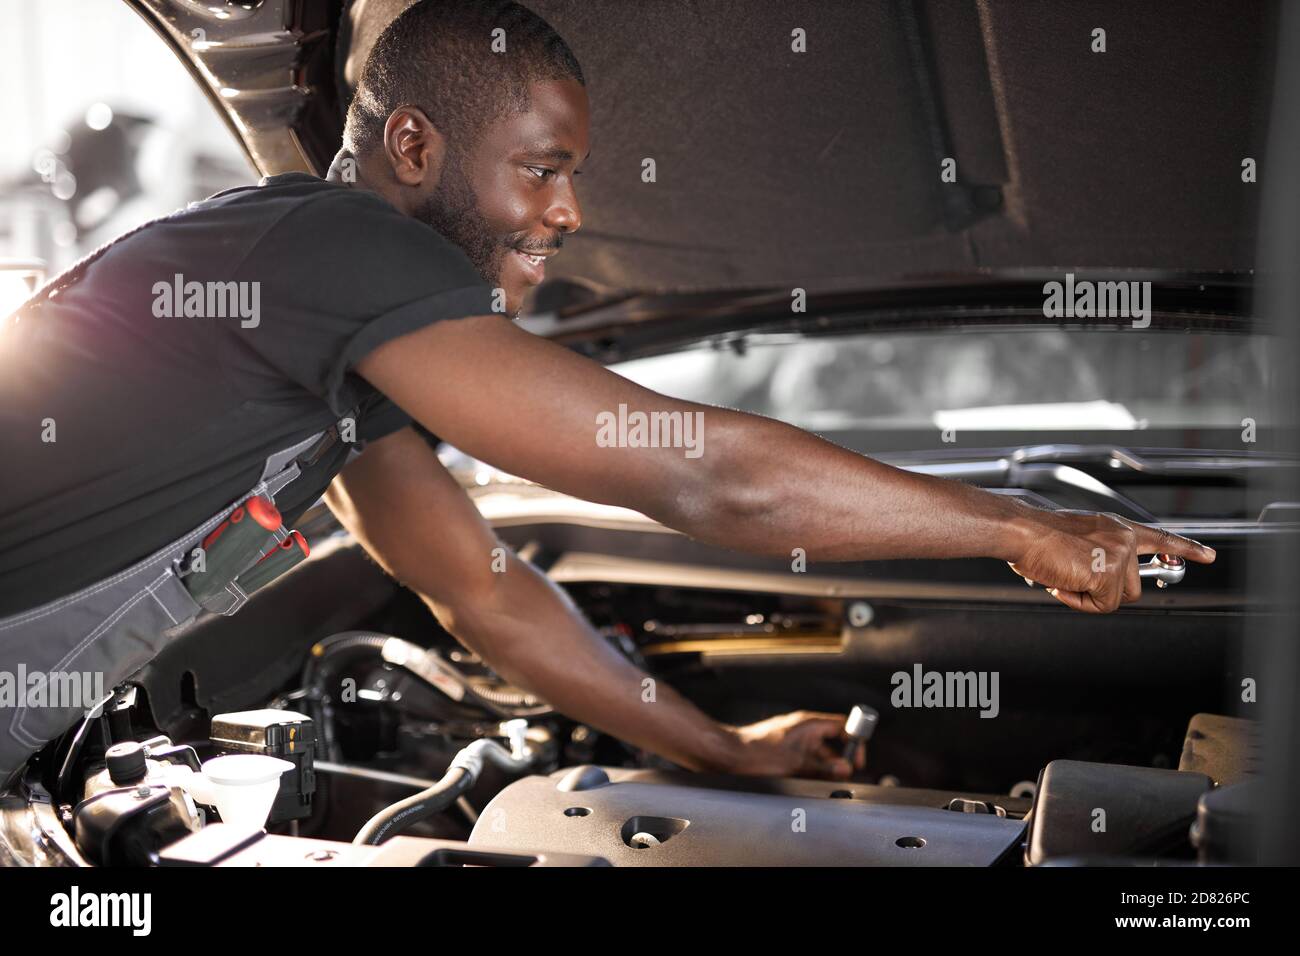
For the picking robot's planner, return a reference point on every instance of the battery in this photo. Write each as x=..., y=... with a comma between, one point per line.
x=276, y=733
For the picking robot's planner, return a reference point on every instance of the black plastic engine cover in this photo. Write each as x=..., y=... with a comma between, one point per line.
x=1095, y=811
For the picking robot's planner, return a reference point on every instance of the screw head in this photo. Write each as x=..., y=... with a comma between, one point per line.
x=860, y=614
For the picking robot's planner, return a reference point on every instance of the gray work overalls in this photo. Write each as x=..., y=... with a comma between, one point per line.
x=117, y=625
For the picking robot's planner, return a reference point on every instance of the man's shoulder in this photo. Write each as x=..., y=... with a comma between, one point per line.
x=299, y=210
x=282, y=217
x=242, y=215
x=287, y=191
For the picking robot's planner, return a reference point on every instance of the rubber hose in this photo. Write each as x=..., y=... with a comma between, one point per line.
x=391, y=820
x=461, y=775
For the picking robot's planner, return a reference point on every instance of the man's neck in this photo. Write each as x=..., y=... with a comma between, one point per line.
x=345, y=170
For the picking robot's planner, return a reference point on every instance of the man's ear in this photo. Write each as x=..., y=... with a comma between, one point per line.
x=414, y=147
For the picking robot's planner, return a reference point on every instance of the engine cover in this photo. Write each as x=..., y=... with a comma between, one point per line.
x=631, y=822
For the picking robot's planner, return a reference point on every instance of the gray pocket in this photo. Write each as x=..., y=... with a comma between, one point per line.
x=101, y=635
x=79, y=663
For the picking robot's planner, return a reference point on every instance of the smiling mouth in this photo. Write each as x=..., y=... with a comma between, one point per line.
x=534, y=265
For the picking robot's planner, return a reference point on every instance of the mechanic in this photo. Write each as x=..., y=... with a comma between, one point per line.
x=385, y=296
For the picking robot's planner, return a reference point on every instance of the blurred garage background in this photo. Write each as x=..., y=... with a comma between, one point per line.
x=103, y=130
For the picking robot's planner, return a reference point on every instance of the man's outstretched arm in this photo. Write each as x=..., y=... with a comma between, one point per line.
x=410, y=514
x=531, y=408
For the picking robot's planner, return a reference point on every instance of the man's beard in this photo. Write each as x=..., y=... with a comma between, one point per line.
x=453, y=211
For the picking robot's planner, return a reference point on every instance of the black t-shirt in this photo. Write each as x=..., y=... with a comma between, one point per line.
x=163, y=406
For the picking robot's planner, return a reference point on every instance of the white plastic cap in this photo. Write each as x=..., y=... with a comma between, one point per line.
x=245, y=770
x=241, y=786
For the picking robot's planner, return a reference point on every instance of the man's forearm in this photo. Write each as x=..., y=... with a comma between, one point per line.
x=409, y=513
x=757, y=485
x=766, y=487
x=531, y=634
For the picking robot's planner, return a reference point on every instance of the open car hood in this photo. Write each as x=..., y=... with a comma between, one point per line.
x=823, y=168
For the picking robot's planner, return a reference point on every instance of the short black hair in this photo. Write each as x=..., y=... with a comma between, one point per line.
x=440, y=55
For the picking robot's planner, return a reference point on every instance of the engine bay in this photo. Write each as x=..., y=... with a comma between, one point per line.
x=391, y=744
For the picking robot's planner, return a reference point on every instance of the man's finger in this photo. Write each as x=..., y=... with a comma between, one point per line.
x=836, y=768
x=824, y=726
x=1159, y=541
x=1021, y=571
x=828, y=762
x=1108, y=595
x=1132, y=583
x=1075, y=600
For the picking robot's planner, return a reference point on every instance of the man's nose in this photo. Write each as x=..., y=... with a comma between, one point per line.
x=564, y=214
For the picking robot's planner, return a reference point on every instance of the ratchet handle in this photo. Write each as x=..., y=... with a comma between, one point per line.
x=1167, y=569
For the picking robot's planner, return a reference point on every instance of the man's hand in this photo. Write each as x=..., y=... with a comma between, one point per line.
x=1089, y=562
x=801, y=744
x=410, y=514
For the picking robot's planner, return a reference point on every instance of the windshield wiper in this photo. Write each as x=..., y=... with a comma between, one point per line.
x=1171, y=462
x=1051, y=468
x=1149, y=461
x=1046, y=477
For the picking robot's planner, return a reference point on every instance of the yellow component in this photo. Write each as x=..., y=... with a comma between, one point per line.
x=745, y=644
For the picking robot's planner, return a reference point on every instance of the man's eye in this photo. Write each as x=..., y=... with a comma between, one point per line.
x=541, y=172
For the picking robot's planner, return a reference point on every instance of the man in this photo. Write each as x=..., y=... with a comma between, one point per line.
x=159, y=383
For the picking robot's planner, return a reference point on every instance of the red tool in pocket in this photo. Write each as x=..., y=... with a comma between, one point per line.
x=291, y=552
x=251, y=531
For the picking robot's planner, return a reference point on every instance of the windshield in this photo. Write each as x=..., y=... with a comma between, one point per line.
x=978, y=379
